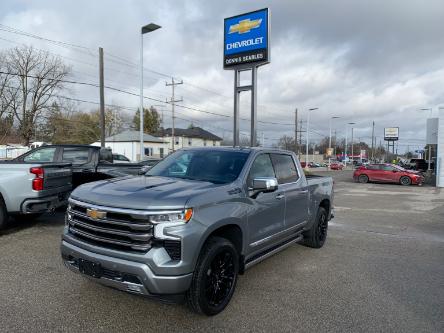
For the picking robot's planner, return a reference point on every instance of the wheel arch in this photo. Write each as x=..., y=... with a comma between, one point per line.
x=230, y=231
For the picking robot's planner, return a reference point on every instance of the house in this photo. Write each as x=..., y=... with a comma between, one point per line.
x=188, y=137
x=128, y=143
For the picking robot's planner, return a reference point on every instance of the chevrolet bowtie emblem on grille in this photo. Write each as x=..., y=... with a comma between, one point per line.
x=245, y=26
x=95, y=214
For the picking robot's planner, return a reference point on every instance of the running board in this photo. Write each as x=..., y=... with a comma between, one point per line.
x=269, y=252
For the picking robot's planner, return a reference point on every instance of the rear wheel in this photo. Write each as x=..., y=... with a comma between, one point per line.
x=316, y=236
x=3, y=214
x=363, y=179
x=406, y=181
x=215, y=277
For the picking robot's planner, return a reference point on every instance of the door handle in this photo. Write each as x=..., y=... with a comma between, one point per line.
x=280, y=196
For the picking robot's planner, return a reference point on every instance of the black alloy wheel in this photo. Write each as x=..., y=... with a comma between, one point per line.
x=214, y=279
x=219, y=279
x=322, y=228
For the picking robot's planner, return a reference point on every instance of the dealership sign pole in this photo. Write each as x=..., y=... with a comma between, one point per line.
x=391, y=134
x=246, y=47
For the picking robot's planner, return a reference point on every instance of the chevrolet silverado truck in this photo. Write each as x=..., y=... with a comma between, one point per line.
x=194, y=222
x=89, y=163
x=28, y=190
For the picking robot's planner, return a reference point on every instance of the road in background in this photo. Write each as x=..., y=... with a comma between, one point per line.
x=381, y=269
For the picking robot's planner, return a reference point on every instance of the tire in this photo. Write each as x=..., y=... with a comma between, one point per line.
x=406, y=181
x=215, y=277
x=4, y=218
x=317, y=235
x=363, y=179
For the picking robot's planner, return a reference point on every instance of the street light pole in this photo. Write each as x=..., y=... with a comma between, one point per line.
x=145, y=29
x=329, y=141
x=346, y=144
x=352, y=147
x=308, y=130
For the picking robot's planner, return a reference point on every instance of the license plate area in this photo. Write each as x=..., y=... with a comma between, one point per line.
x=90, y=268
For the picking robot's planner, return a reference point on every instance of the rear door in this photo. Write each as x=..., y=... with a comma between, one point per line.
x=374, y=172
x=267, y=216
x=293, y=188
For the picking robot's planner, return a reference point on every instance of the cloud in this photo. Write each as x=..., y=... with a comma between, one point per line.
x=361, y=60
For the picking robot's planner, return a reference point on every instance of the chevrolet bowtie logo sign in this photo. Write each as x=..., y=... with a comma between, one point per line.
x=245, y=26
x=95, y=214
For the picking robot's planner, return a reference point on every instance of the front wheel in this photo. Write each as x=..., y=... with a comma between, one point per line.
x=215, y=277
x=316, y=236
x=363, y=179
x=406, y=181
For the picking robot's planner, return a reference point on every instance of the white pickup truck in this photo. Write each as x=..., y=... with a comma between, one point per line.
x=30, y=189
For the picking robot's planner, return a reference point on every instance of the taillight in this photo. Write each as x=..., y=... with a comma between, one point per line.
x=37, y=182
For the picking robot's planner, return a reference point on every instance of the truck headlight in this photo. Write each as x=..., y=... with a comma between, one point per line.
x=172, y=217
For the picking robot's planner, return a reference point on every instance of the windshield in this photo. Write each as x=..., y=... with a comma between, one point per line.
x=216, y=166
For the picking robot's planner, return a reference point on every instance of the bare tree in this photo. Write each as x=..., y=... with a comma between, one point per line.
x=33, y=78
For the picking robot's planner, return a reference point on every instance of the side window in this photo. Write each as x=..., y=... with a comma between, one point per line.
x=75, y=155
x=261, y=167
x=387, y=168
x=285, y=168
x=41, y=155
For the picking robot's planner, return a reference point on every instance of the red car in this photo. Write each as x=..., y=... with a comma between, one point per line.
x=387, y=173
x=336, y=166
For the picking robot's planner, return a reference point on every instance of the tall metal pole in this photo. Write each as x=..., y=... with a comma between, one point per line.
x=174, y=118
x=236, y=109
x=296, y=146
x=300, y=139
x=142, y=148
x=253, y=133
x=352, y=147
x=173, y=103
x=102, y=99
x=345, y=150
x=306, y=145
x=373, y=140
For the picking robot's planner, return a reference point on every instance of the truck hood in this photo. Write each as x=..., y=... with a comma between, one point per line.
x=141, y=192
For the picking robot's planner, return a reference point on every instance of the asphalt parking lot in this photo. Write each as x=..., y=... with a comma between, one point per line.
x=381, y=270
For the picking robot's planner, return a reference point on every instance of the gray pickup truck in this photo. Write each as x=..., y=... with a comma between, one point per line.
x=195, y=221
x=27, y=190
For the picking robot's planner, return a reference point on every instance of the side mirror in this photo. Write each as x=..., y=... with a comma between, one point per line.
x=395, y=171
x=265, y=184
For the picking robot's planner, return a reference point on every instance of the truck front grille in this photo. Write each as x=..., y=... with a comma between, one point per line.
x=114, y=228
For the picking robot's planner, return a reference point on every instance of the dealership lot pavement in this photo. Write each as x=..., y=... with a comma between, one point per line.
x=382, y=269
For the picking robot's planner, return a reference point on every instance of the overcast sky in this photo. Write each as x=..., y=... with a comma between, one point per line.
x=363, y=61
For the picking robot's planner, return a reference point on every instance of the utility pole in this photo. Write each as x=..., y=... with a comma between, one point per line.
x=173, y=101
x=373, y=140
x=300, y=138
x=296, y=146
x=102, y=99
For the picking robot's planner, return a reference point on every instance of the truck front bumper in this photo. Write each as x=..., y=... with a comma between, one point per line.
x=125, y=275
